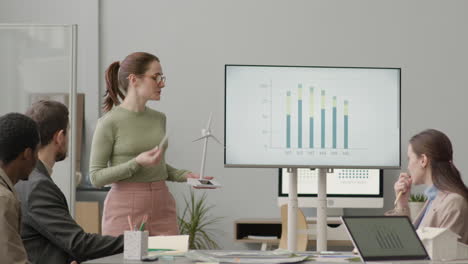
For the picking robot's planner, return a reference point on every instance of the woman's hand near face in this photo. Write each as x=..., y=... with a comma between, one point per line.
x=150, y=158
x=403, y=185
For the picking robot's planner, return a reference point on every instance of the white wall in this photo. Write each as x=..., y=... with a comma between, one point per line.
x=194, y=39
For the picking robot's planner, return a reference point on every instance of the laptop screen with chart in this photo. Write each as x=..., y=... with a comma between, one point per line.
x=385, y=238
x=346, y=188
x=312, y=117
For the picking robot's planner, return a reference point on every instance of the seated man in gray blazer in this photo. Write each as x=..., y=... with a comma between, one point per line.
x=49, y=233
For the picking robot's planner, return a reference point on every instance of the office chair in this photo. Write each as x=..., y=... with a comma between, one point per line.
x=302, y=236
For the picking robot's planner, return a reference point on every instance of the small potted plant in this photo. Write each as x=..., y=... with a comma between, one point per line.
x=416, y=203
x=197, y=222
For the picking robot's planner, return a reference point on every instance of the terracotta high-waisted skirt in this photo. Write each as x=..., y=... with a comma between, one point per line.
x=137, y=199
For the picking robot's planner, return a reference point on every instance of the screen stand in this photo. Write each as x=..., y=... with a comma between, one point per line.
x=292, y=210
x=322, y=209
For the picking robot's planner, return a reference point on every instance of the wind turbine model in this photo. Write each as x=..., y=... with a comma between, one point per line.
x=206, y=134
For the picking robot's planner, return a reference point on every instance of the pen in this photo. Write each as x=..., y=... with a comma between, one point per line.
x=398, y=197
x=130, y=222
x=143, y=222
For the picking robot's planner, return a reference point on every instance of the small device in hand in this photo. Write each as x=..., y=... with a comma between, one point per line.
x=203, y=183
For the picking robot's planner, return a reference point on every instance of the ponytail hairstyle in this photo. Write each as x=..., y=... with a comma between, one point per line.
x=438, y=149
x=117, y=76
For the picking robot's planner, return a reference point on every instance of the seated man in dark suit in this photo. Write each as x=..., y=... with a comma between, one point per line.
x=49, y=233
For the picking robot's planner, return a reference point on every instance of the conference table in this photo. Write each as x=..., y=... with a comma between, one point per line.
x=118, y=259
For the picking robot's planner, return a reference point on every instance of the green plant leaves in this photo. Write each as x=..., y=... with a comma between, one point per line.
x=418, y=197
x=196, y=221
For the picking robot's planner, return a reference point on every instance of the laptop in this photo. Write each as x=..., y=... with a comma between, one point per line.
x=385, y=239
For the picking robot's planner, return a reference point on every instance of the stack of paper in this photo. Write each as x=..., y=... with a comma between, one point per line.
x=167, y=245
x=252, y=257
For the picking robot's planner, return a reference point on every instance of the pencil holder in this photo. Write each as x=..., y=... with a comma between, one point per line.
x=135, y=244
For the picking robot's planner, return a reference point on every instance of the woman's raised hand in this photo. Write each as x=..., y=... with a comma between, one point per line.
x=197, y=176
x=151, y=157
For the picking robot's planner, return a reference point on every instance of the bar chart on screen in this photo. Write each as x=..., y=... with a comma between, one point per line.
x=309, y=120
x=387, y=238
x=292, y=115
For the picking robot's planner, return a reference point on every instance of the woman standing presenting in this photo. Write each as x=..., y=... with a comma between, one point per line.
x=124, y=151
x=430, y=162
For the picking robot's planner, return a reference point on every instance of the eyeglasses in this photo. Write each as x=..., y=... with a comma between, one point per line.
x=158, y=78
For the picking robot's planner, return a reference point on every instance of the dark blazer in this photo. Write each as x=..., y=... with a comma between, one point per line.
x=49, y=233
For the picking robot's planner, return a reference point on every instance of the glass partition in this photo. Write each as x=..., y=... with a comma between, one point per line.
x=39, y=62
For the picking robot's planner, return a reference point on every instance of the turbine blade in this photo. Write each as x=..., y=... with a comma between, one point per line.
x=219, y=142
x=200, y=138
x=208, y=126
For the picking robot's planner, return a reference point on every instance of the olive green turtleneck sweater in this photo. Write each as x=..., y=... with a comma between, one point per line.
x=120, y=136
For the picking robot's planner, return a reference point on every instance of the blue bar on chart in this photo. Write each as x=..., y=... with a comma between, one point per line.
x=323, y=119
x=311, y=117
x=288, y=119
x=346, y=116
x=299, y=115
x=334, y=122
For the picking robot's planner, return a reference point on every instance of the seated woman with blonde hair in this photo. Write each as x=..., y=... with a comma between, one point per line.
x=430, y=162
